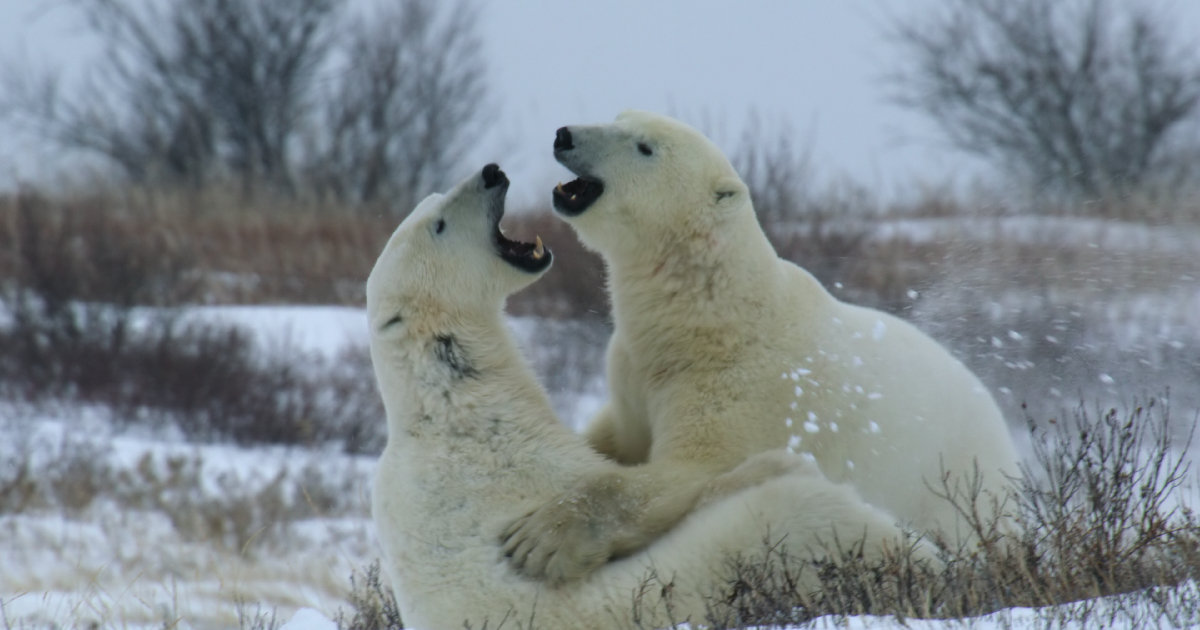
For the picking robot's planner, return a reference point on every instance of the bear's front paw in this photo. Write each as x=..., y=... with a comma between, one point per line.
x=755, y=470
x=556, y=543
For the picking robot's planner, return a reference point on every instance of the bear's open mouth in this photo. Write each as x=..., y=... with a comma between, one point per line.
x=529, y=257
x=577, y=195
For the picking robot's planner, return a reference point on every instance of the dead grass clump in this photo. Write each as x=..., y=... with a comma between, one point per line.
x=1098, y=513
x=69, y=476
x=372, y=604
x=212, y=381
x=1101, y=504
x=86, y=249
x=258, y=619
x=149, y=248
x=1096, y=527
x=226, y=510
x=764, y=590
x=70, y=332
x=259, y=258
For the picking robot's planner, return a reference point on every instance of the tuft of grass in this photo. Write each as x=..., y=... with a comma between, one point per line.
x=69, y=332
x=212, y=381
x=1097, y=513
x=1097, y=521
x=230, y=512
x=258, y=619
x=372, y=603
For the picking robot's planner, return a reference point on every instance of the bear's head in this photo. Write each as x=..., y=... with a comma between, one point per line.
x=642, y=179
x=449, y=261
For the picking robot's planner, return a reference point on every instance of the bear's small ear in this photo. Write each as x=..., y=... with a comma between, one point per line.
x=728, y=192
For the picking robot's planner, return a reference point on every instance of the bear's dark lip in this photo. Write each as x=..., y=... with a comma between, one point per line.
x=576, y=196
x=519, y=254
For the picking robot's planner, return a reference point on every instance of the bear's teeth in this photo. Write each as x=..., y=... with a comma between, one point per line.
x=538, y=250
x=559, y=188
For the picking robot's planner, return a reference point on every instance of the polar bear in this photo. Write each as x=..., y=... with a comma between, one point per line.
x=722, y=350
x=473, y=444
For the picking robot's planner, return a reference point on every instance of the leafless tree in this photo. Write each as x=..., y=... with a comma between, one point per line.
x=1079, y=97
x=189, y=87
x=409, y=95
x=777, y=171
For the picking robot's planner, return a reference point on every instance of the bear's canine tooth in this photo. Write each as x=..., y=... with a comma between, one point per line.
x=559, y=188
x=538, y=250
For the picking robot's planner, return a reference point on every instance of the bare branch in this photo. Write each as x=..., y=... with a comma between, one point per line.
x=190, y=89
x=409, y=96
x=1077, y=97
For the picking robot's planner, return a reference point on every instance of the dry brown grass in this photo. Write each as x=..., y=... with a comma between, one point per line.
x=244, y=254
x=372, y=603
x=965, y=286
x=1097, y=513
x=212, y=248
x=1101, y=511
x=238, y=515
x=76, y=271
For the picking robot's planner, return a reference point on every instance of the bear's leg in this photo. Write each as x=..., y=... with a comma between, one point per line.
x=601, y=433
x=756, y=470
x=621, y=430
x=604, y=516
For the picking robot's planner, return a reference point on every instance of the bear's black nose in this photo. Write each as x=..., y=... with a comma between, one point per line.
x=562, y=139
x=493, y=176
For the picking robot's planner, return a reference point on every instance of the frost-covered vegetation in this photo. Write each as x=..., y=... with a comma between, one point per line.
x=209, y=455
x=188, y=416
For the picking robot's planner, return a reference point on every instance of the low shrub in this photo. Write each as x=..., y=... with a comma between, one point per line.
x=1096, y=513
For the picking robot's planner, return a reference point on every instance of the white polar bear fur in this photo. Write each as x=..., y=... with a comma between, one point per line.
x=473, y=444
x=716, y=336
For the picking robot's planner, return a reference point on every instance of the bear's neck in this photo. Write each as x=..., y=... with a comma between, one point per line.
x=460, y=383
x=699, y=281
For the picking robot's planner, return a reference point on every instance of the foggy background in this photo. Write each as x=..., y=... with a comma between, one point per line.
x=818, y=65
x=185, y=389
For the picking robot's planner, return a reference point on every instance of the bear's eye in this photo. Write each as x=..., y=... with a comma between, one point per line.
x=392, y=322
x=645, y=149
x=439, y=226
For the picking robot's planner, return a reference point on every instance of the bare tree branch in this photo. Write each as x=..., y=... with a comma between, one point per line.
x=1075, y=96
x=408, y=98
x=188, y=88
x=275, y=94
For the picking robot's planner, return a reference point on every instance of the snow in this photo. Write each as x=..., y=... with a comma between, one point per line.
x=323, y=329
x=182, y=556
x=154, y=564
x=1114, y=613
x=1108, y=235
x=309, y=619
x=121, y=566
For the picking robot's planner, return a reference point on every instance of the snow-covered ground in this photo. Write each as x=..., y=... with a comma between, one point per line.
x=187, y=535
x=1103, y=234
x=1113, y=613
x=176, y=531
x=180, y=534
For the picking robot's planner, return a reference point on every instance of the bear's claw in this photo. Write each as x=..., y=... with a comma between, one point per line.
x=551, y=548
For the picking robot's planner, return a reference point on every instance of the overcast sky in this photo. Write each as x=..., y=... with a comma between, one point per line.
x=816, y=64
